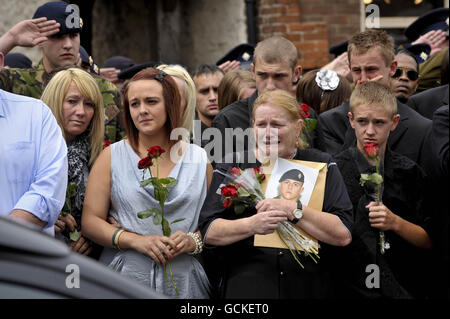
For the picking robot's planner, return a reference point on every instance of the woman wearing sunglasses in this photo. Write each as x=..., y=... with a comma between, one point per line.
x=405, y=80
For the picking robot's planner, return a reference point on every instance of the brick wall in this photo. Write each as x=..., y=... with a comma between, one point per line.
x=312, y=25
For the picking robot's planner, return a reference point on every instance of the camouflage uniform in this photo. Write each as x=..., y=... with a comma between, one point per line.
x=29, y=82
x=430, y=72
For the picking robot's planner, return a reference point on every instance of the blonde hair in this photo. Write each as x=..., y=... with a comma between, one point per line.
x=178, y=71
x=286, y=101
x=231, y=87
x=56, y=91
x=373, y=93
x=372, y=38
x=276, y=50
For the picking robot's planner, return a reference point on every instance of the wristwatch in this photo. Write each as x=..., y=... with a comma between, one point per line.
x=298, y=213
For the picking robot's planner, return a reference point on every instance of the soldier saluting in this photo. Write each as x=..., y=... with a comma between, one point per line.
x=56, y=28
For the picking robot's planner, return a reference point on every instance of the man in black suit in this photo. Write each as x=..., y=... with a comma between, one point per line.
x=371, y=58
x=427, y=102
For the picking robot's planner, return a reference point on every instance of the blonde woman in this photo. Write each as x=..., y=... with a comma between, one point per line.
x=77, y=104
x=239, y=268
x=235, y=85
x=186, y=87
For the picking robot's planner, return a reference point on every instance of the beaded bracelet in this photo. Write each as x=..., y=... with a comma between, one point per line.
x=198, y=243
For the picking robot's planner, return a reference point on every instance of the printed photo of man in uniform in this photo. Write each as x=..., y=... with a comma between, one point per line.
x=291, y=185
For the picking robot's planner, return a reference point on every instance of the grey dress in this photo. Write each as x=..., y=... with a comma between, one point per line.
x=184, y=201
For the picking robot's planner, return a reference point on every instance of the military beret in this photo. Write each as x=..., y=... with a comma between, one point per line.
x=119, y=62
x=339, y=48
x=18, y=60
x=436, y=19
x=88, y=61
x=65, y=14
x=128, y=73
x=293, y=174
x=421, y=51
x=242, y=53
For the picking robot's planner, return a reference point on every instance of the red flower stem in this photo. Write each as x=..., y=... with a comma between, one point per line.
x=381, y=233
x=157, y=168
x=171, y=278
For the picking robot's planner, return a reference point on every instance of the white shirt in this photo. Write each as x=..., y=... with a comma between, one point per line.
x=33, y=159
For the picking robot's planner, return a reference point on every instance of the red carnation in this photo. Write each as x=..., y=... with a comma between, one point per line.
x=145, y=162
x=155, y=151
x=227, y=203
x=106, y=143
x=371, y=150
x=236, y=171
x=229, y=190
x=304, y=110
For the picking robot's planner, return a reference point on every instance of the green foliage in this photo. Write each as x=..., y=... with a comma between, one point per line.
x=309, y=125
x=75, y=235
x=147, y=213
x=374, y=178
x=67, y=208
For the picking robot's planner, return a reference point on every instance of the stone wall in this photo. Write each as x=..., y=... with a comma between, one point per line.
x=190, y=32
x=11, y=13
x=213, y=27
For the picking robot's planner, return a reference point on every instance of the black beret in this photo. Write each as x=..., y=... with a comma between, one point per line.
x=293, y=174
x=128, y=73
x=18, y=60
x=65, y=14
x=338, y=49
x=242, y=53
x=436, y=19
x=88, y=61
x=421, y=51
x=119, y=62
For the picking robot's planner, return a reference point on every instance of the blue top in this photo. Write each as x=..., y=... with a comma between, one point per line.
x=33, y=159
x=185, y=200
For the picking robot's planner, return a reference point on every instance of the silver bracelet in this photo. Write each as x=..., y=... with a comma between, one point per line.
x=198, y=243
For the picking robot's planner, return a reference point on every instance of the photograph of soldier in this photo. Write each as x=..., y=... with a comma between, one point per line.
x=291, y=185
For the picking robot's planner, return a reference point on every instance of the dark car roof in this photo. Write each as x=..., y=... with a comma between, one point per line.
x=38, y=262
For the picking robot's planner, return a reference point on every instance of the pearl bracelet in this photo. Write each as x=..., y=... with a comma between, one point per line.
x=198, y=243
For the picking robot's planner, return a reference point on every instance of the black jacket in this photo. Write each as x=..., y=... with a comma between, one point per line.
x=426, y=102
x=404, y=268
x=242, y=270
x=334, y=133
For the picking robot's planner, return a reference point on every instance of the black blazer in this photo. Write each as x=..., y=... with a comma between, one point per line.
x=426, y=102
x=334, y=133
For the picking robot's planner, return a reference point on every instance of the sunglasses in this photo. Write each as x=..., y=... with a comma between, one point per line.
x=410, y=74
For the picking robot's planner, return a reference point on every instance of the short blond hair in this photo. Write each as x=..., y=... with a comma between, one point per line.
x=372, y=38
x=286, y=101
x=373, y=93
x=56, y=91
x=276, y=50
